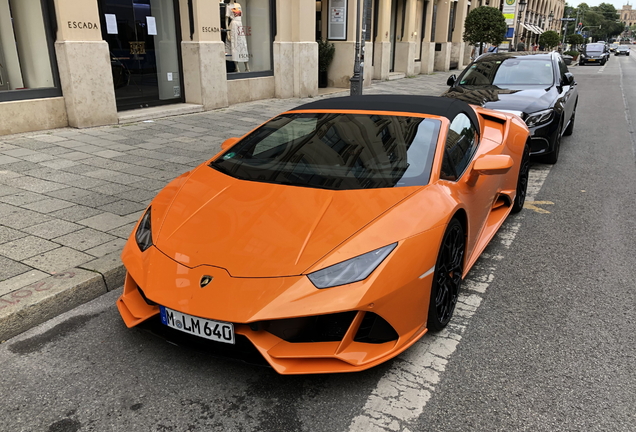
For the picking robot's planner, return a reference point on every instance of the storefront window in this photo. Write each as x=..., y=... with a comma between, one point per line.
x=247, y=35
x=25, y=51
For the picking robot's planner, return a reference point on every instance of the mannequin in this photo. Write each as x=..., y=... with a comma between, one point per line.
x=236, y=41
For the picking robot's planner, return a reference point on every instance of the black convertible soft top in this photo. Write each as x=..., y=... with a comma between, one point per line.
x=440, y=106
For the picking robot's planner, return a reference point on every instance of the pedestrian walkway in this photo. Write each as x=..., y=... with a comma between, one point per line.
x=69, y=198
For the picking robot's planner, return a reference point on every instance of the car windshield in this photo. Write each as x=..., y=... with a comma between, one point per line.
x=594, y=48
x=336, y=151
x=623, y=47
x=509, y=73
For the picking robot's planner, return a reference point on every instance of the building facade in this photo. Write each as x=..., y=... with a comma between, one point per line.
x=537, y=17
x=81, y=64
x=86, y=63
x=627, y=15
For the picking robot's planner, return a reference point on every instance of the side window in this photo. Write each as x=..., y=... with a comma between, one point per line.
x=461, y=144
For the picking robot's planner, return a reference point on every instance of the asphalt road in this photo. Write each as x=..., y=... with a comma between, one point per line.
x=547, y=341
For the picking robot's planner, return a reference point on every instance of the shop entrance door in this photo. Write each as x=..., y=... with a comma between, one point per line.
x=143, y=39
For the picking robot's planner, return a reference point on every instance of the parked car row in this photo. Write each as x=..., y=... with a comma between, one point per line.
x=296, y=242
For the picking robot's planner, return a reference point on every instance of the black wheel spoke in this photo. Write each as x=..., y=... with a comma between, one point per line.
x=448, y=274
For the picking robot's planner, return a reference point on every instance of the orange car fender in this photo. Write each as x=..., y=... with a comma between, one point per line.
x=409, y=275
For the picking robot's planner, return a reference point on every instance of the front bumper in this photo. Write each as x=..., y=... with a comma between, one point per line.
x=258, y=306
x=542, y=138
x=592, y=59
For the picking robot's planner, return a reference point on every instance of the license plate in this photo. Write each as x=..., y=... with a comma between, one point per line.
x=592, y=59
x=215, y=330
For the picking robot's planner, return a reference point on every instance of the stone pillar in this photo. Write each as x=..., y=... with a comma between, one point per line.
x=442, y=57
x=427, y=55
x=457, y=51
x=84, y=65
x=382, y=45
x=295, y=50
x=203, y=56
x=405, y=49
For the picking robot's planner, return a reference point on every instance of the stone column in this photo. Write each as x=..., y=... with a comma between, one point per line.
x=427, y=55
x=295, y=49
x=459, y=46
x=84, y=64
x=203, y=56
x=442, y=57
x=382, y=45
x=405, y=49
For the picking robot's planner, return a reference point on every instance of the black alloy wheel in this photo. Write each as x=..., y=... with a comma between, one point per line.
x=447, y=279
x=522, y=181
x=553, y=157
x=568, y=130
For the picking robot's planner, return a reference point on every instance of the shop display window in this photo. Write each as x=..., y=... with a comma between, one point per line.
x=247, y=34
x=27, y=69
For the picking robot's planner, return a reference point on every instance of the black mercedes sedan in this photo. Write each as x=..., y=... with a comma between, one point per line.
x=537, y=87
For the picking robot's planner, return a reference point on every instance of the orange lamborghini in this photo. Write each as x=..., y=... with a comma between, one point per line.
x=333, y=236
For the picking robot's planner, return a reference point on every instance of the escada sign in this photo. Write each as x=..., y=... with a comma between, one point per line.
x=82, y=25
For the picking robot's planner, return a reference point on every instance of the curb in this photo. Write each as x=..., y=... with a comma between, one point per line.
x=40, y=301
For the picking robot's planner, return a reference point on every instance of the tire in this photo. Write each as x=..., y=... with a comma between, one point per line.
x=447, y=279
x=581, y=63
x=603, y=63
x=553, y=157
x=568, y=130
x=522, y=181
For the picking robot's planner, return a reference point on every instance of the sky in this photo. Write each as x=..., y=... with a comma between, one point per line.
x=618, y=4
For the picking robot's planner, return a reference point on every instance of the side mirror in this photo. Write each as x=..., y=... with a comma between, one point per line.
x=229, y=143
x=493, y=164
x=569, y=79
x=451, y=80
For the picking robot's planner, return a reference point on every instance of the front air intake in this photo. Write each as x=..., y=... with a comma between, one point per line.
x=321, y=328
x=375, y=329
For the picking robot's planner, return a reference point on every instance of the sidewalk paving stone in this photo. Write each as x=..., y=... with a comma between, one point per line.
x=69, y=198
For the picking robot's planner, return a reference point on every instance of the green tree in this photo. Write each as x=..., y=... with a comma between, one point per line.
x=549, y=39
x=485, y=24
x=575, y=39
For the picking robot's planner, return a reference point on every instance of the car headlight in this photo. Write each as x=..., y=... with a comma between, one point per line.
x=519, y=113
x=539, y=117
x=352, y=270
x=582, y=55
x=144, y=233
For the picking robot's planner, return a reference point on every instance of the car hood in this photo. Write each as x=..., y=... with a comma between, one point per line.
x=529, y=99
x=255, y=229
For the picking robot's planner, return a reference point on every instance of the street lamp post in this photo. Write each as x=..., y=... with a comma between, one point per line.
x=358, y=66
x=521, y=8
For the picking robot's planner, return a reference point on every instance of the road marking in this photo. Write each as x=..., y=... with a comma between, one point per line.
x=628, y=115
x=403, y=391
x=532, y=205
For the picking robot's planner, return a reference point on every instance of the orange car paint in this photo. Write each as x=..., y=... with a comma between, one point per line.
x=301, y=241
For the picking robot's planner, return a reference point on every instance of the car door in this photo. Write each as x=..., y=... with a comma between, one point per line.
x=567, y=94
x=478, y=194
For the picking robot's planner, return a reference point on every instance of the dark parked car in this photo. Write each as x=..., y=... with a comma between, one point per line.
x=537, y=87
x=594, y=53
x=622, y=49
